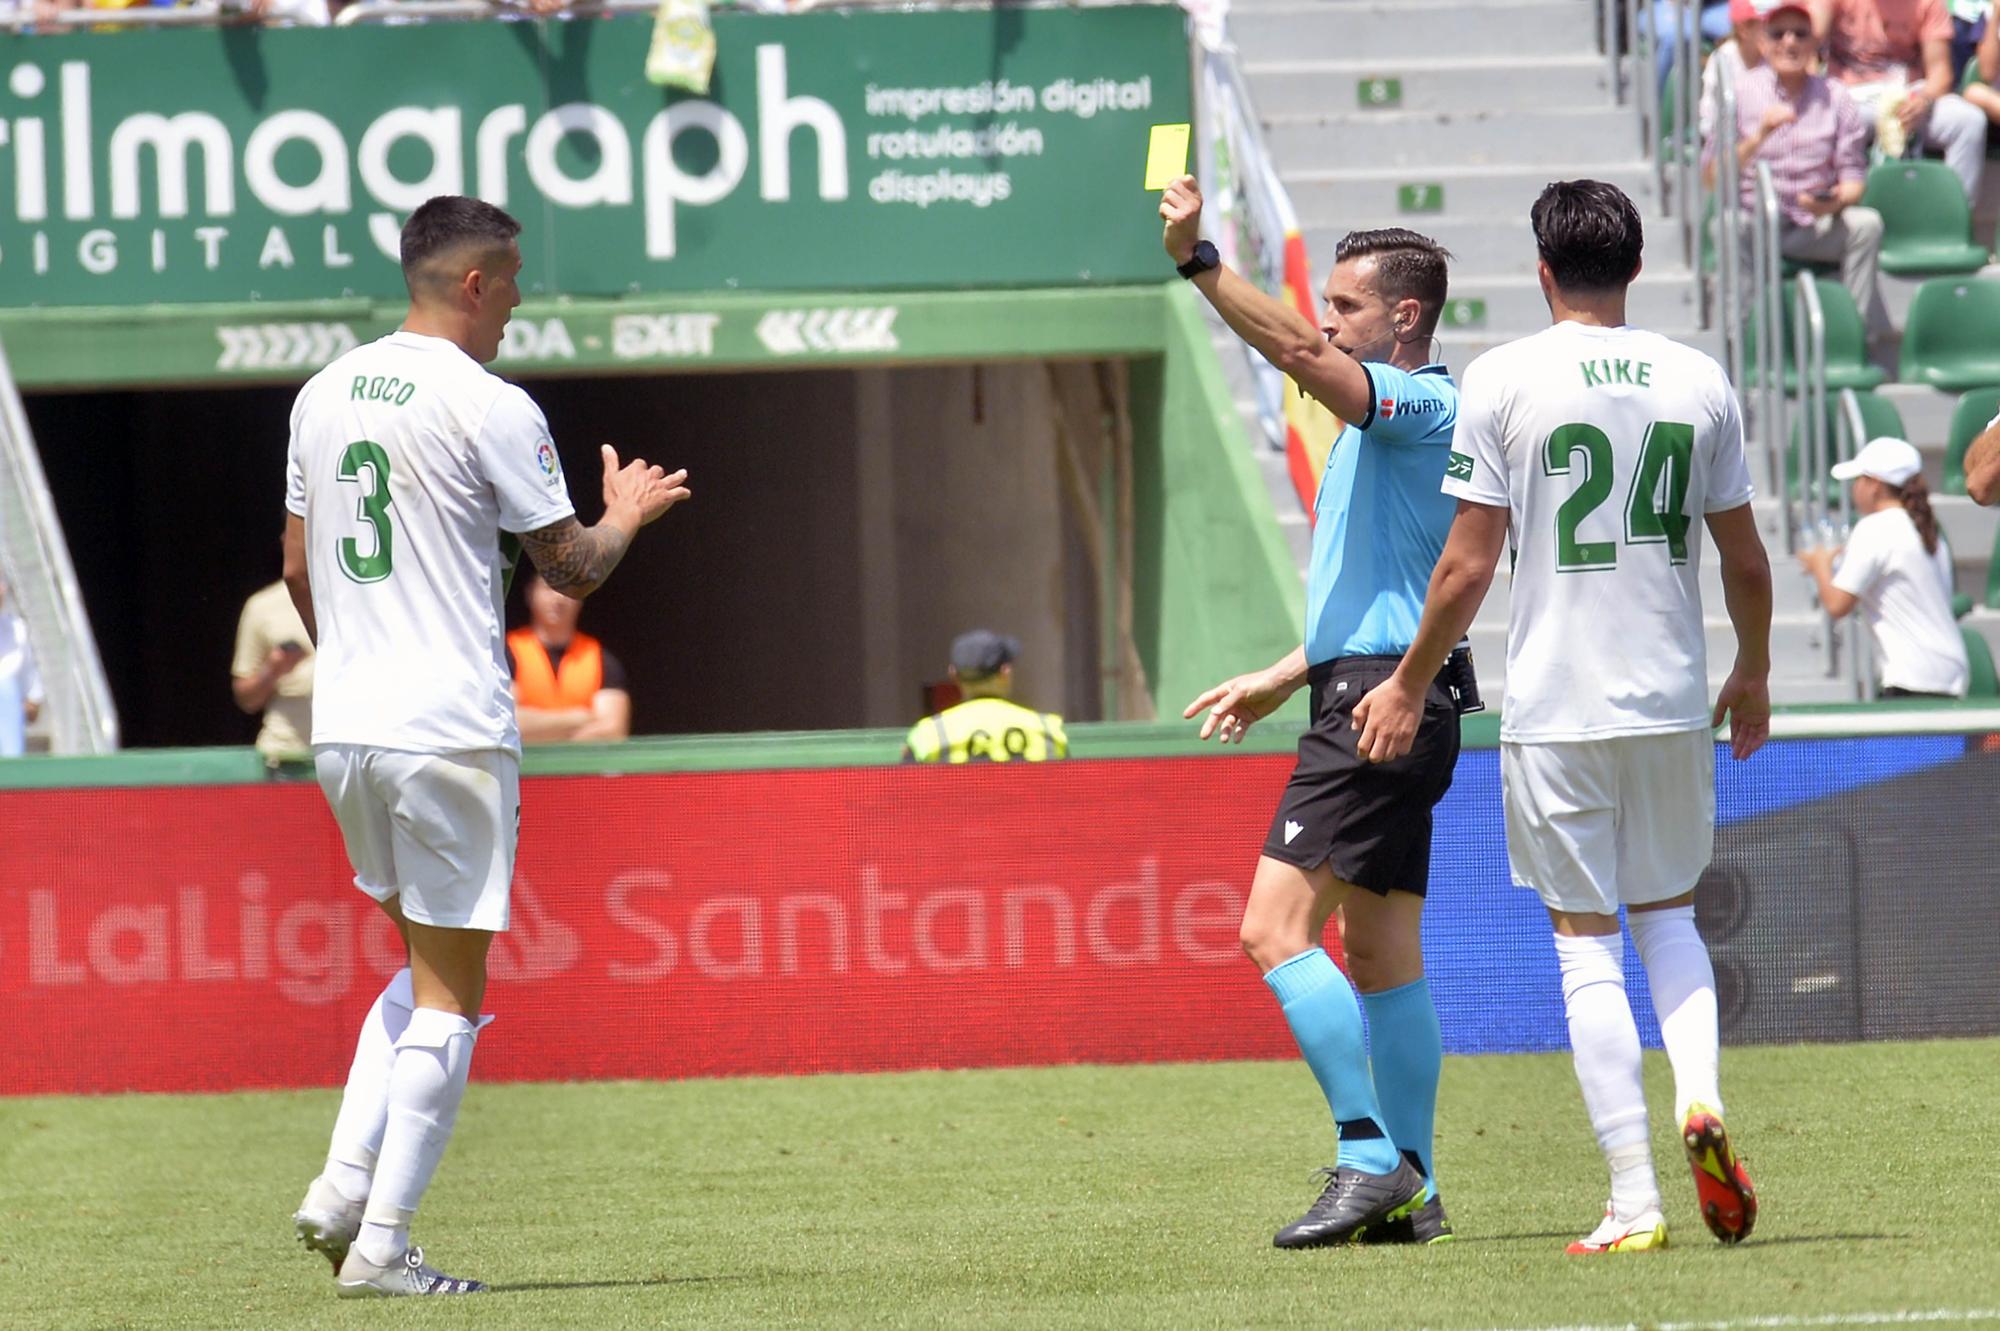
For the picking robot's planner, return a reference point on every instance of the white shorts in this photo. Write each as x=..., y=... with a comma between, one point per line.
x=1592, y=824
x=436, y=829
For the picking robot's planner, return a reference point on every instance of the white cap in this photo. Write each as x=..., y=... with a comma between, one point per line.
x=1885, y=459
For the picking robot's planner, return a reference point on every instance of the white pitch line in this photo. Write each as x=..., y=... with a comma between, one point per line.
x=1930, y=1317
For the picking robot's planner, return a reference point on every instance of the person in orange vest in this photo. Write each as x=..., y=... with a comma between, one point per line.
x=566, y=686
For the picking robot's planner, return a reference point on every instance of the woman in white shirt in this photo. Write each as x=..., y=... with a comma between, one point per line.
x=1896, y=568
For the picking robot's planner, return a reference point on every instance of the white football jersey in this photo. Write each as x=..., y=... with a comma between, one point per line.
x=408, y=460
x=1607, y=446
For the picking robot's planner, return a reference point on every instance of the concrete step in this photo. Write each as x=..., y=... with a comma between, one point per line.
x=1296, y=85
x=1328, y=196
x=1552, y=138
x=1490, y=245
x=1926, y=412
x=1514, y=305
x=1970, y=529
x=1412, y=30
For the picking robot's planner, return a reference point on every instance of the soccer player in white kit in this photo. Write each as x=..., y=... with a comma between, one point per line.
x=1599, y=449
x=414, y=480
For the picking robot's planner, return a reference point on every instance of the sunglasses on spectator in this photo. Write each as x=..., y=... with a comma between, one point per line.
x=1780, y=34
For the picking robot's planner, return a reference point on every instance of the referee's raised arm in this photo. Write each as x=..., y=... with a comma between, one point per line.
x=1278, y=331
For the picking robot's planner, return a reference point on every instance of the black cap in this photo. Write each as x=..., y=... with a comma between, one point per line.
x=982, y=652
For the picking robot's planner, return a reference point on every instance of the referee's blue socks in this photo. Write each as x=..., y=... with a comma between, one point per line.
x=1406, y=1052
x=1325, y=1018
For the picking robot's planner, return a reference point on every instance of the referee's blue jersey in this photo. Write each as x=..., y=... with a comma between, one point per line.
x=1380, y=517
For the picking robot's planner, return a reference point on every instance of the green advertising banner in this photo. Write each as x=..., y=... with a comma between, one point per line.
x=271, y=342
x=835, y=152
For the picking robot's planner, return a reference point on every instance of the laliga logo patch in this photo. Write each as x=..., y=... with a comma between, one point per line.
x=545, y=456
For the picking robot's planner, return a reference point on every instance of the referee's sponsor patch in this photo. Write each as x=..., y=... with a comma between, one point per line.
x=1458, y=466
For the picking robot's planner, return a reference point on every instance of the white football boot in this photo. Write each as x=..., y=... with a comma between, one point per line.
x=362, y=1279
x=326, y=1222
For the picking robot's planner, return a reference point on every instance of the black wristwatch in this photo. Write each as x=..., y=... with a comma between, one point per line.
x=1204, y=259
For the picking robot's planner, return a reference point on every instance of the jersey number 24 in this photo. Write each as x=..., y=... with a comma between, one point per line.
x=1655, y=510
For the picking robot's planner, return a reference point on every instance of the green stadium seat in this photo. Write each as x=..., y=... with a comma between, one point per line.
x=1961, y=605
x=1926, y=221
x=1952, y=337
x=1985, y=682
x=1993, y=577
x=1968, y=418
x=1847, y=363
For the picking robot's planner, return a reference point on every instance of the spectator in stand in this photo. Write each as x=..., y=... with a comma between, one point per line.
x=1714, y=23
x=21, y=695
x=31, y=15
x=272, y=673
x=1894, y=56
x=1897, y=570
x=1812, y=134
x=1984, y=40
x=1743, y=52
x=989, y=726
x=282, y=13
x=1982, y=465
x=566, y=686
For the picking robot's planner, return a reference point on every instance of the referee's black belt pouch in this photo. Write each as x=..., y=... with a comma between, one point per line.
x=1456, y=685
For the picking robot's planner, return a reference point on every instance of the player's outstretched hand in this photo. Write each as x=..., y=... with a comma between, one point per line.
x=1745, y=701
x=1387, y=717
x=1235, y=705
x=642, y=486
x=1180, y=209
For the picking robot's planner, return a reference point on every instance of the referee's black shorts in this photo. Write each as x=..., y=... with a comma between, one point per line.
x=1370, y=823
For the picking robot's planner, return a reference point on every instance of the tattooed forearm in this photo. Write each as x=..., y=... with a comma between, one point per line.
x=575, y=559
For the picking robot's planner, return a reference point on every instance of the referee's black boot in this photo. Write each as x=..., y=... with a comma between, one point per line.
x=1426, y=1224
x=1352, y=1203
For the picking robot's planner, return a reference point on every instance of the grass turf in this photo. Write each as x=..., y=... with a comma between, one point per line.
x=1071, y=1197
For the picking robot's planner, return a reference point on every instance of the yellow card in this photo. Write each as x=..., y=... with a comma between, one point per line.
x=1166, y=155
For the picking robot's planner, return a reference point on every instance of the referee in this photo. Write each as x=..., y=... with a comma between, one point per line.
x=1349, y=834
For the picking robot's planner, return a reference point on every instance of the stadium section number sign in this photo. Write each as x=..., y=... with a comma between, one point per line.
x=1379, y=92
x=1422, y=197
x=865, y=151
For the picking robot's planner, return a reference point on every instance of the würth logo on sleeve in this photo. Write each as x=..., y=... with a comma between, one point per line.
x=1386, y=408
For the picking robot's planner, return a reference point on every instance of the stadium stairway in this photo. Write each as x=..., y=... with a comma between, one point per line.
x=1496, y=98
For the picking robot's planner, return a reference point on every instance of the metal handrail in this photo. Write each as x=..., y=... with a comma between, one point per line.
x=1809, y=341
x=1861, y=646
x=146, y=16
x=1768, y=319
x=404, y=10
x=81, y=716
x=1729, y=224
x=1686, y=73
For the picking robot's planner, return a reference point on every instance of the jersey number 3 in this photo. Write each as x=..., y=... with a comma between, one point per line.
x=366, y=465
x=1655, y=507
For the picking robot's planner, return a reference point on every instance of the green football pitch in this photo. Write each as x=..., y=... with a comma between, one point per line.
x=1072, y=1197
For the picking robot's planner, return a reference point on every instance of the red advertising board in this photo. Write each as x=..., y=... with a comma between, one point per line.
x=664, y=926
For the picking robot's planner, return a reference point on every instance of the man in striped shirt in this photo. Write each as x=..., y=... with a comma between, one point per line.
x=1815, y=140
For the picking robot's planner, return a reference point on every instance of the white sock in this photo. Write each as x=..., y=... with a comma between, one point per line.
x=1605, y=1042
x=433, y=1058
x=1683, y=983
x=364, y=1108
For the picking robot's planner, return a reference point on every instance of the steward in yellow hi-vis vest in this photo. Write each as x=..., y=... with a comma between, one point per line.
x=987, y=726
